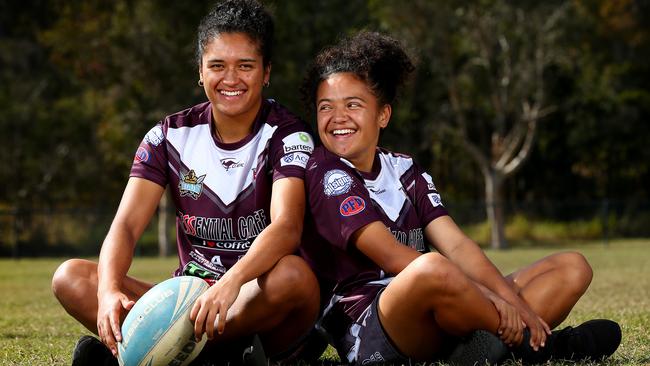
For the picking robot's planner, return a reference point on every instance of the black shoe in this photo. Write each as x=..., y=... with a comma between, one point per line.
x=593, y=340
x=306, y=351
x=90, y=351
x=479, y=348
x=246, y=351
x=253, y=354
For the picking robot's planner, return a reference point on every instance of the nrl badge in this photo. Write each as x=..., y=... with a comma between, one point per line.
x=191, y=185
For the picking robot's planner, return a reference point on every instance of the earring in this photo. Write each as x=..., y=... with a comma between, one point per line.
x=267, y=84
x=200, y=82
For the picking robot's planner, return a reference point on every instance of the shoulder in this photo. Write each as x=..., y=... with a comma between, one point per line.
x=328, y=167
x=398, y=162
x=293, y=133
x=280, y=116
x=322, y=159
x=190, y=117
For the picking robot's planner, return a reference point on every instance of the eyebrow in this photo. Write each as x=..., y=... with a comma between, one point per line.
x=346, y=99
x=240, y=60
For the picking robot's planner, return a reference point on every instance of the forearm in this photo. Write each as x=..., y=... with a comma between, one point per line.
x=114, y=260
x=474, y=263
x=274, y=242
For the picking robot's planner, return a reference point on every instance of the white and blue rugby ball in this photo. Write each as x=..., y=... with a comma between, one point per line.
x=158, y=330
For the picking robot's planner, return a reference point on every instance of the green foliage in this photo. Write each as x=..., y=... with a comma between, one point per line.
x=523, y=231
x=82, y=82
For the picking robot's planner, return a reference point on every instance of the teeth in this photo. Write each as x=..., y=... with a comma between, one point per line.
x=343, y=132
x=231, y=93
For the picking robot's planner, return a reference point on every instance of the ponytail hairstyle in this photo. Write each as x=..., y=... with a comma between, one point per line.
x=238, y=16
x=374, y=58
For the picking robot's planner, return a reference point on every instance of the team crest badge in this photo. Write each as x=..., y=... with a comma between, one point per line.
x=191, y=185
x=155, y=136
x=336, y=182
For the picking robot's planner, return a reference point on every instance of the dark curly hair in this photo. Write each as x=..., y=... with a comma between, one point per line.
x=376, y=59
x=238, y=16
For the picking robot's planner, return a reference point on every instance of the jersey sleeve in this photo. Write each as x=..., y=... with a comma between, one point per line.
x=291, y=150
x=150, y=161
x=339, y=202
x=428, y=202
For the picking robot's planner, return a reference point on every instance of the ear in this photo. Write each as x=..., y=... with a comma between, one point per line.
x=384, y=115
x=267, y=73
x=200, y=72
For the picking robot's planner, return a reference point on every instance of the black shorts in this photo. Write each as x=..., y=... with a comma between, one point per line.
x=369, y=343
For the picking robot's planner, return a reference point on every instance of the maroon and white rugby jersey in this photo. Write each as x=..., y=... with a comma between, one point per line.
x=222, y=192
x=342, y=200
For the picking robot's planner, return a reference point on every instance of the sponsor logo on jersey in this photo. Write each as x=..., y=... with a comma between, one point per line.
x=435, y=199
x=352, y=206
x=155, y=136
x=191, y=185
x=231, y=246
x=142, y=155
x=213, y=264
x=298, y=141
x=430, y=185
x=413, y=238
x=229, y=163
x=376, y=190
x=224, y=229
x=194, y=269
x=216, y=260
x=336, y=182
x=297, y=158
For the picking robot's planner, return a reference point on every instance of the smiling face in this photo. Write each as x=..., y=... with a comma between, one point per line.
x=349, y=118
x=233, y=76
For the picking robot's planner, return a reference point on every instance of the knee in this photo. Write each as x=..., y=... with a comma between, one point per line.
x=65, y=276
x=577, y=270
x=439, y=275
x=292, y=280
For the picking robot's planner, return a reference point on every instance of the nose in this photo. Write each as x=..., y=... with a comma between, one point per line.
x=339, y=115
x=230, y=76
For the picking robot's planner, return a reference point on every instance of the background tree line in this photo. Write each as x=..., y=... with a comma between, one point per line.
x=514, y=103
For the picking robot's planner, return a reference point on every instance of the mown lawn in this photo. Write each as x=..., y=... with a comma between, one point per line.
x=34, y=329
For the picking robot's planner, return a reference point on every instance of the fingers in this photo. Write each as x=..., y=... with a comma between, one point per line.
x=106, y=334
x=199, y=320
x=114, y=322
x=547, y=329
x=220, y=321
x=127, y=304
x=208, y=319
x=510, y=328
x=537, y=334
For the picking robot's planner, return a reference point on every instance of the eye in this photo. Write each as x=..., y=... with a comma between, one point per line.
x=216, y=67
x=354, y=105
x=246, y=67
x=324, y=107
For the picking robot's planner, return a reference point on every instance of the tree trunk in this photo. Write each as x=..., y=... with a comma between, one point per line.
x=494, y=206
x=163, y=239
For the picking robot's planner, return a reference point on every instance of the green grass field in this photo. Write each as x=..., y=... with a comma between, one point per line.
x=35, y=330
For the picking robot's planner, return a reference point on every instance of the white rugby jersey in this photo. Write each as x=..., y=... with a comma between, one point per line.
x=222, y=192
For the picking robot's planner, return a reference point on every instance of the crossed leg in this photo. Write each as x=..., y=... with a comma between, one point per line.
x=553, y=285
x=432, y=298
x=281, y=305
x=75, y=286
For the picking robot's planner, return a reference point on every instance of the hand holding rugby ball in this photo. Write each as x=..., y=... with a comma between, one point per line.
x=158, y=330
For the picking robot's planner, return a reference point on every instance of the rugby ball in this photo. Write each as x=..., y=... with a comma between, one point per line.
x=158, y=330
